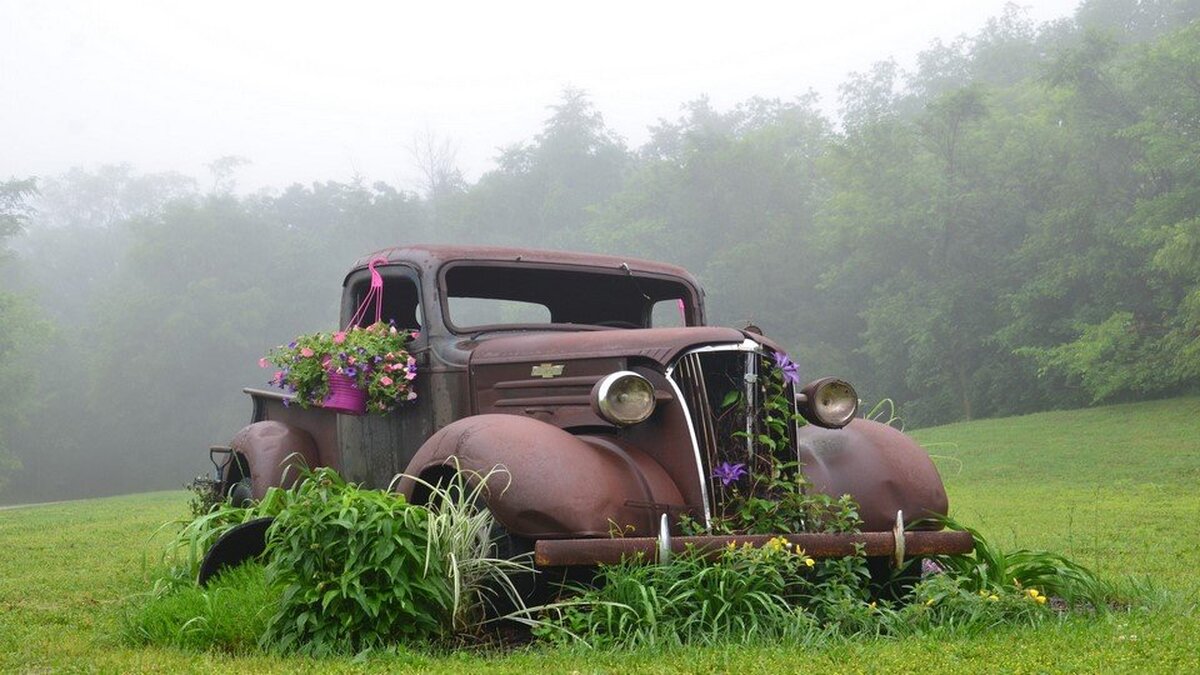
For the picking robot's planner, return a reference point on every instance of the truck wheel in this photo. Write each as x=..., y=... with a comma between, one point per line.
x=239, y=493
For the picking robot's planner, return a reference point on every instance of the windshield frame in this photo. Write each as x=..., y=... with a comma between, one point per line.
x=692, y=301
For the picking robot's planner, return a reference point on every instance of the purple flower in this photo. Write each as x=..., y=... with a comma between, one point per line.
x=292, y=344
x=351, y=371
x=729, y=473
x=929, y=568
x=791, y=372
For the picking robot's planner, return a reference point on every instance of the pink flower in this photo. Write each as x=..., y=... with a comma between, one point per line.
x=412, y=361
x=410, y=374
x=306, y=352
x=390, y=356
x=416, y=334
x=385, y=381
x=263, y=363
x=351, y=360
x=339, y=337
x=279, y=376
x=412, y=396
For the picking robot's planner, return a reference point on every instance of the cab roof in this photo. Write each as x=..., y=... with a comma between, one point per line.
x=433, y=256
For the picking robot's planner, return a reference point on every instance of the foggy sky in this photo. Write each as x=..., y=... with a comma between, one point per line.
x=312, y=91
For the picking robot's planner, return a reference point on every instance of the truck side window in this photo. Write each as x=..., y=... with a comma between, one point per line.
x=401, y=301
x=668, y=314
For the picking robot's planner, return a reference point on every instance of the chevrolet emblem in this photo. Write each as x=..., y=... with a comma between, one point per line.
x=547, y=370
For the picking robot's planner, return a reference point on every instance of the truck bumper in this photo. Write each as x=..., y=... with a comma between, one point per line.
x=572, y=552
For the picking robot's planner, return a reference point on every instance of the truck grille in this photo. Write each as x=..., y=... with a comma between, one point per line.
x=706, y=378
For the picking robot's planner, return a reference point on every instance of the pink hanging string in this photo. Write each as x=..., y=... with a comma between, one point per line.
x=374, y=295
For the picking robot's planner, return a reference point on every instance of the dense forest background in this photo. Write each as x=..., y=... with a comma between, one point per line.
x=1012, y=226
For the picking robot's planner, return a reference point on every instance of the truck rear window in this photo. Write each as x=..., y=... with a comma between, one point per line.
x=482, y=295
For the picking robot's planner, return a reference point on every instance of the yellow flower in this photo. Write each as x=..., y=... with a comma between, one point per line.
x=1041, y=599
x=1033, y=593
x=872, y=605
x=810, y=562
x=731, y=545
x=993, y=597
x=929, y=602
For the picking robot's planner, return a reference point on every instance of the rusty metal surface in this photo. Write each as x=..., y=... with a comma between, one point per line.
x=883, y=469
x=572, y=552
x=320, y=424
x=557, y=484
x=660, y=345
x=274, y=451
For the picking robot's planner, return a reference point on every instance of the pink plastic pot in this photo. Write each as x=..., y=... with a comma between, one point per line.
x=344, y=397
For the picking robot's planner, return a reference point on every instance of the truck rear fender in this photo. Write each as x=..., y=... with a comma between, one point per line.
x=273, y=451
x=553, y=483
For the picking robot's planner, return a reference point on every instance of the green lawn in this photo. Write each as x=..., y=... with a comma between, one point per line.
x=1115, y=488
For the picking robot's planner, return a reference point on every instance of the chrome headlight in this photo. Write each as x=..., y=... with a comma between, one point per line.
x=829, y=402
x=623, y=398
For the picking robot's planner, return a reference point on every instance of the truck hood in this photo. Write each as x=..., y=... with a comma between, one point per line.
x=658, y=344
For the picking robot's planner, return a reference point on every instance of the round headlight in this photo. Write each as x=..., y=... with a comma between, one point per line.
x=833, y=403
x=623, y=398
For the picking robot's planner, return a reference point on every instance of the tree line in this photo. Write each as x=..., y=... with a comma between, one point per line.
x=1011, y=226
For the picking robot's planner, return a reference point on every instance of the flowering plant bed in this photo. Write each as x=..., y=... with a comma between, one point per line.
x=374, y=360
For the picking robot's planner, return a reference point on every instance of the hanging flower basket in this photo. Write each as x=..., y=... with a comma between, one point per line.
x=345, y=396
x=353, y=371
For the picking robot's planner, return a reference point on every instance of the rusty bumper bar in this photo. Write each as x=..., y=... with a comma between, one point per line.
x=569, y=552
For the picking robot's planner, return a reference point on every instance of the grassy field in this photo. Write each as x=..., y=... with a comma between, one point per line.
x=1114, y=488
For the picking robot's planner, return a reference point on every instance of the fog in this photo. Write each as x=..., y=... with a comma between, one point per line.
x=308, y=92
x=972, y=210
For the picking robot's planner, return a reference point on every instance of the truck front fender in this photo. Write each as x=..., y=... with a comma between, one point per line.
x=553, y=483
x=883, y=469
x=272, y=451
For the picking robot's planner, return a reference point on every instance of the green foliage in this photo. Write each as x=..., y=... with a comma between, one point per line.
x=461, y=535
x=989, y=570
x=1067, y=481
x=373, y=356
x=772, y=495
x=356, y=570
x=1002, y=217
x=747, y=594
x=229, y=614
x=14, y=207
x=184, y=552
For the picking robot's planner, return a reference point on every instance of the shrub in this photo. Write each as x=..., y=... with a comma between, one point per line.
x=355, y=568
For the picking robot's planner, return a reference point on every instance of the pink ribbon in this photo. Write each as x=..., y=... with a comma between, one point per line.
x=374, y=294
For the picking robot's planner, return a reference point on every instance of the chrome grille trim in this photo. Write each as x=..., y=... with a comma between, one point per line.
x=687, y=367
x=687, y=416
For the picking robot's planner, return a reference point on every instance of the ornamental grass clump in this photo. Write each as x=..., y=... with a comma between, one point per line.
x=463, y=536
x=375, y=358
